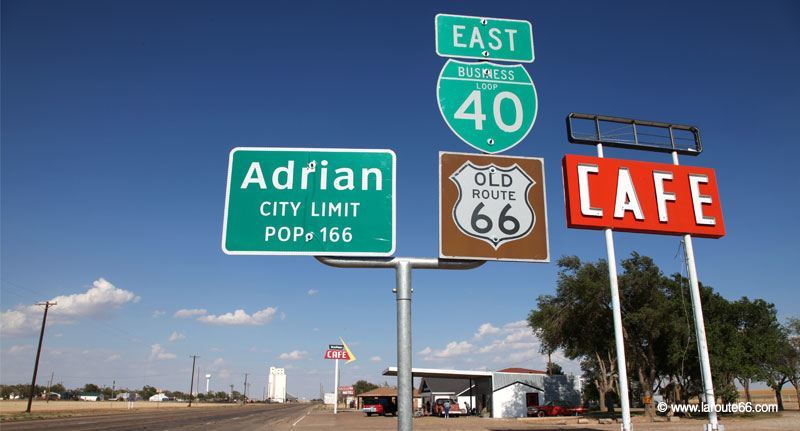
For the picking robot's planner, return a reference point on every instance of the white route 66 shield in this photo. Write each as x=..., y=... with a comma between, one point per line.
x=493, y=202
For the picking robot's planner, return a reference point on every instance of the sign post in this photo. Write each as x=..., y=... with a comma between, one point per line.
x=700, y=329
x=650, y=198
x=336, y=352
x=402, y=267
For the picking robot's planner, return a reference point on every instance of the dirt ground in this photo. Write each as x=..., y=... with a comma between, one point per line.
x=75, y=408
x=323, y=420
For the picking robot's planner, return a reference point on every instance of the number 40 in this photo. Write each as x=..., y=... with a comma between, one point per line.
x=479, y=117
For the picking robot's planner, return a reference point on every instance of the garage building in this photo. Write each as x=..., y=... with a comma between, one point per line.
x=505, y=393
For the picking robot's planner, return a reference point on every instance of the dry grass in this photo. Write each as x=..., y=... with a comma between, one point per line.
x=767, y=396
x=11, y=407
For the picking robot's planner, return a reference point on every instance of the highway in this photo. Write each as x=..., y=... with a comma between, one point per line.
x=240, y=418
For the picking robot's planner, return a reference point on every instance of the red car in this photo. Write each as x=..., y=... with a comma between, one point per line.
x=379, y=406
x=556, y=408
x=455, y=410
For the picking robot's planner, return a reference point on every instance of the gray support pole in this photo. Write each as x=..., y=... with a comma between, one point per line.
x=404, y=377
x=336, y=386
x=619, y=339
x=700, y=329
x=402, y=267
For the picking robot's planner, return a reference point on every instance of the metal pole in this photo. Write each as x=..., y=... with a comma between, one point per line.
x=47, y=305
x=619, y=339
x=404, y=373
x=336, y=387
x=191, y=384
x=403, y=289
x=700, y=329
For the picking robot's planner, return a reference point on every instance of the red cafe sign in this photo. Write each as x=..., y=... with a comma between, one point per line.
x=636, y=196
x=337, y=354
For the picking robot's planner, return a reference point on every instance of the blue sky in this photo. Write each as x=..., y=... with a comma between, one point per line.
x=117, y=120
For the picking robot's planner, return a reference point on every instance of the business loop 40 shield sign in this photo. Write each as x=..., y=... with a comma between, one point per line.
x=493, y=202
x=489, y=106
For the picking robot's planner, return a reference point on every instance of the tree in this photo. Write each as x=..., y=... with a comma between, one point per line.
x=362, y=386
x=646, y=314
x=577, y=319
x=58, y=388
x=553, y=369
x=792, y=329
x=147, y=392
x=91, y=388
x=220, y=396
x=760, y=338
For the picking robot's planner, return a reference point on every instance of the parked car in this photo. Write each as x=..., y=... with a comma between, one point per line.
x=556, y=408
x=455, y=410
x=379, y=406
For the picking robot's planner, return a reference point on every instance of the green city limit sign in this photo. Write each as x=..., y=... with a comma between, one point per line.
x=310, y=201
x=489, y=106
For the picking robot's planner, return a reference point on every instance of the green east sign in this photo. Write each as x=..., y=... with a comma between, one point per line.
x=491, y=107
x=310, y=201
x=484, y=38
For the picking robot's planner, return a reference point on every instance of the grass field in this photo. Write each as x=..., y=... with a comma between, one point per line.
x=767, y=396
x=11, y=408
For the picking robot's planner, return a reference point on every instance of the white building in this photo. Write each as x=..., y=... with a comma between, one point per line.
x=506, y=393
x=276, y=385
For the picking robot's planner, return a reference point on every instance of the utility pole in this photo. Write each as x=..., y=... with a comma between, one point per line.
x=231, y=392
x=191, y=386
x=244, y=396
x=49, y=385
x=47, y=305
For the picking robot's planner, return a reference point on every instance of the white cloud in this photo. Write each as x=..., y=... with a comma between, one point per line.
x=113, y=357
x=158, y=352
x=218, y=370
x=312, y=292
x=452, y=349
x=190, y=312
x=294, y=355
x=511, y=344
x=158, y=313
x=240, y=317
x=283, y=316
x=375, y=359
x=175, y=336
x=19, y=348
x=486, y=329
x=97, y=301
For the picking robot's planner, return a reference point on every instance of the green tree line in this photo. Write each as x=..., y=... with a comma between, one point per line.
x=22, y=391
x=746, y=342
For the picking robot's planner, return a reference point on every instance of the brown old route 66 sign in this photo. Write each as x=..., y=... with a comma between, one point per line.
x=492, y=208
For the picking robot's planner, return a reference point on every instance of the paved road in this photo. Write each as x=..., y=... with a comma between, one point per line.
x=241, y=418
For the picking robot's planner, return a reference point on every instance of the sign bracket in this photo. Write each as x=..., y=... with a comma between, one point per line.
x=402, y=267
